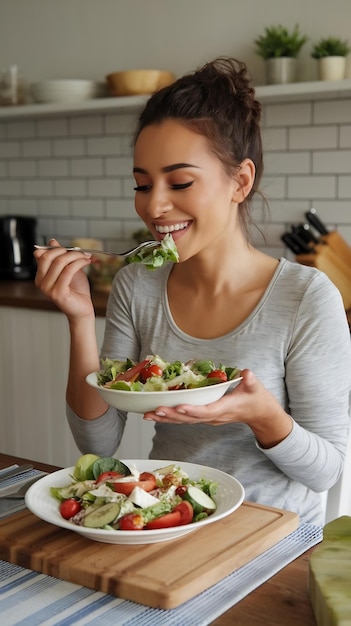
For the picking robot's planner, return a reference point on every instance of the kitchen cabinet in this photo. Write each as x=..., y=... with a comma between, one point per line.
x=33, y=373
x=267, y=93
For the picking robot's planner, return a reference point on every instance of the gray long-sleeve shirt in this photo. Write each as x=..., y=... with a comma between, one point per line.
x=296, y=341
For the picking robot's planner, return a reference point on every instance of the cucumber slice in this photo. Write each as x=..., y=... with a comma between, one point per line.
x=95, y=504
x=105, y=514
x=199, y=500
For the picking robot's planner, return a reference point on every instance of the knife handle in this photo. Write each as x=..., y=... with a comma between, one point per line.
x=290, y=243
x=304, y=231
x=314, y=220
x=295, y=244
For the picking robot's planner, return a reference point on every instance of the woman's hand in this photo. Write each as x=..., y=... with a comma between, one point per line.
x=249, y=403
x=60, y=276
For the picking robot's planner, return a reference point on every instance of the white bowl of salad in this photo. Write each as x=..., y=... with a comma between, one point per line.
x=134, y=501
x=153, y=382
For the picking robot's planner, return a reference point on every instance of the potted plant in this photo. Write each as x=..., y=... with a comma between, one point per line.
x=331, y=53
x=279, y=47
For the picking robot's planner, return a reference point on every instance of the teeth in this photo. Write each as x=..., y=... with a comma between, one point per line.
x=171, y=228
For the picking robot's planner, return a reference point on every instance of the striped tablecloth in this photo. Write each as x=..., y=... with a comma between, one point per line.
x=31, y=599
x=7, y=506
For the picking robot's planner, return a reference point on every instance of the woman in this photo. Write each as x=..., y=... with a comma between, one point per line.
x=282, y=432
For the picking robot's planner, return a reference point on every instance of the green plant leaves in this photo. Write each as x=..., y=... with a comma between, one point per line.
x=330, y=47
x=278, y=41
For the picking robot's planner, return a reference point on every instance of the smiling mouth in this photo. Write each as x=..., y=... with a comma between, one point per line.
x=171, y=228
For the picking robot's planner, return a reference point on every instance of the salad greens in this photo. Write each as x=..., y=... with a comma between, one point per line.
x=132, y=500
x=157, y=257
x=156, y=374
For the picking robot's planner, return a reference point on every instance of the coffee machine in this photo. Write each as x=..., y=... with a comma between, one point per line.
x=17, y=239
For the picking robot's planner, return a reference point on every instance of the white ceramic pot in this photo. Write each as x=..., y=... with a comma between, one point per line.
x=281, y=70
x=348, y=67
x=332, y=68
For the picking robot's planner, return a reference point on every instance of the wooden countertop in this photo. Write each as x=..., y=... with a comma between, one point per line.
x=24, y=294
x=283, y=599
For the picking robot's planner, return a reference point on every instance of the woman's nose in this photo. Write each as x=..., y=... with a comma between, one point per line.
x=158, y=202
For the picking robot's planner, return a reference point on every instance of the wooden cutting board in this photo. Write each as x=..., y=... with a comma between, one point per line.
x=334, y=266
x=161, y=575
x=338, y=244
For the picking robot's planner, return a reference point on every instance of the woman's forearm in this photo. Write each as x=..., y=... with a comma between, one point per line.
x=84, y=359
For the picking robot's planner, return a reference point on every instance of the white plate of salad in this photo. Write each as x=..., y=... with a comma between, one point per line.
x=149, y=501
x=153, y=382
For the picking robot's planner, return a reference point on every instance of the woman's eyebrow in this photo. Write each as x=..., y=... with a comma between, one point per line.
x=167, y=168
x=177, y=166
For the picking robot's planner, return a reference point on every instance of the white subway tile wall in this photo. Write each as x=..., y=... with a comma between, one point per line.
x=74, y=172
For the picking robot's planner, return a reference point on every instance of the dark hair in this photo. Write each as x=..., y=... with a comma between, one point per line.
x=215, y=101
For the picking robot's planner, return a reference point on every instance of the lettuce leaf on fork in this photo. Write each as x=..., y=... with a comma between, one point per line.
x=157, y=257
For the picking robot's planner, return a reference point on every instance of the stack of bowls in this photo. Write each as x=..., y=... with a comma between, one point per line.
x=68, y=90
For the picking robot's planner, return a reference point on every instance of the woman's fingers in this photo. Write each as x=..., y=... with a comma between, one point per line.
x=60, y=277
x=249, y=382
x=56, y=264
x=232, y=407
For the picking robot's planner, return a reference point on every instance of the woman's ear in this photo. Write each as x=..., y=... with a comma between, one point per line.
x=244, y=178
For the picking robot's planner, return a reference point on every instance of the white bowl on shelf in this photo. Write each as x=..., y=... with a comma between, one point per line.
x=68, y=90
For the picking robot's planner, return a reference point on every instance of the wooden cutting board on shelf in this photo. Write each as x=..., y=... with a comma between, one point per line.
x=160, y=575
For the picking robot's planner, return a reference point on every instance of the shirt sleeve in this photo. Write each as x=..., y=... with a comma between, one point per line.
x=100, y=436
x=318, y=382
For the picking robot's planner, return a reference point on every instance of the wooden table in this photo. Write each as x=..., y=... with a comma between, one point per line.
x=283, y=599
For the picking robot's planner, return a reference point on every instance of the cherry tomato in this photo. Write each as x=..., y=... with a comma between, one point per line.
x=186, y=512
x=222, y=376
x=182, y=513
x=70, y=507
x=165, y=521
x=133, y=372
x=147, y=476
x=150, y=370
x=131, y=521
x=105, y=476
x=147, y=481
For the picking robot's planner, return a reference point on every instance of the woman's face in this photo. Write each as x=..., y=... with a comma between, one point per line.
x=182, y=187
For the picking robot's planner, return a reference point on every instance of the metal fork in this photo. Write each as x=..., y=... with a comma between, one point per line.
x=21, y=491
x=140, y=246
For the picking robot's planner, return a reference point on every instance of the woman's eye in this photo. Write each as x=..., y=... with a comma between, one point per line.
x=182, y=185
x=142, y=188
x=175, y=186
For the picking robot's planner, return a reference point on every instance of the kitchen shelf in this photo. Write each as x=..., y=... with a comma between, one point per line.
x=316, y=90
x=98, y=105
